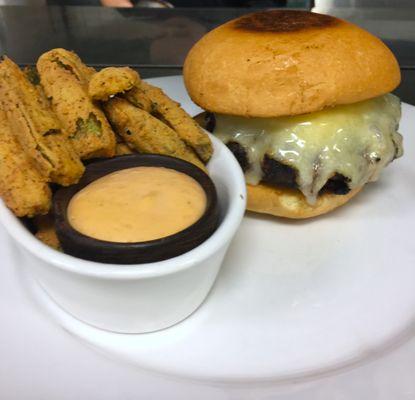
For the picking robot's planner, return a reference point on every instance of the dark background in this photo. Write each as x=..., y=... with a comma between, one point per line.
x=156, y=41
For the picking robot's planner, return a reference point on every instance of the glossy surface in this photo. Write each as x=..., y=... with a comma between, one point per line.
x=356, y=141
x=294, y=299
x=137, y=204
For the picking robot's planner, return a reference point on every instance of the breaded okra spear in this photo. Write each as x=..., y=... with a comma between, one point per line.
x=122, y=81
x=127, y=83
x=170, y=112
x=23, y=189
x=145, y=133
x=71, y=62
x=45, y=230
x=110, y=81
x=36, y=128
x=65, y=80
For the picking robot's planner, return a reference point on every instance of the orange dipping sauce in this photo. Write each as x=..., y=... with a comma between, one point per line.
x=137, y=204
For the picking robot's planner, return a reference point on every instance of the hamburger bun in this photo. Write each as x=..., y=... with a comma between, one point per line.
x=287, y=62
x=290, y=203
x=283, y=63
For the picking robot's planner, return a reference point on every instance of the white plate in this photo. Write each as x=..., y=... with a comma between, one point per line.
x=293, y=299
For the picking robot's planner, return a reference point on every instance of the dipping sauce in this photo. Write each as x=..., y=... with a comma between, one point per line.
x=137, y=204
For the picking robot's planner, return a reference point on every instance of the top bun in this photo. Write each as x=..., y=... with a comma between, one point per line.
x=287, y=62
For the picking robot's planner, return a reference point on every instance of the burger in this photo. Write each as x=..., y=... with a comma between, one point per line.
x=303, y=101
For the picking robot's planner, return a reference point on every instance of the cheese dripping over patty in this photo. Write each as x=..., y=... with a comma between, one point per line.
x=356, y=141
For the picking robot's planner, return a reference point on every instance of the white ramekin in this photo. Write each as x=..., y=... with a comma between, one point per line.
x=138, y=298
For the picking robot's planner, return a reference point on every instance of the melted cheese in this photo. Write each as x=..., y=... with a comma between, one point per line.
x=356, y=140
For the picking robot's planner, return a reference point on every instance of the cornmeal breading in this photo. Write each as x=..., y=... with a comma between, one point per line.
x=174, y=116
x=46, y=232
x=65, y=80
x=146, y=133
x=111, y=81
x=122, y=81
x=33, y=77
x=36, y=127
x=23, y=189
x=71, y=62
x=122, y=149
x=139, y=98
x=126, y=83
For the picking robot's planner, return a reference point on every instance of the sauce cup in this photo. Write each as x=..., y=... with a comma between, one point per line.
x=82, y=246
x=144, y=297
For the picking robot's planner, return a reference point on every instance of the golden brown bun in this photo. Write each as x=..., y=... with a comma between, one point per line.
x=291, y=203
x=286, y=62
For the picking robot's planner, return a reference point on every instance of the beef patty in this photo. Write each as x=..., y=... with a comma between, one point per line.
x=278, y=174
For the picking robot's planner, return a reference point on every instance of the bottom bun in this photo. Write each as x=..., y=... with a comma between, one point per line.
x=290, y=203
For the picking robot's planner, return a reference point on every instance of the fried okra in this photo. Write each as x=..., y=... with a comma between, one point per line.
x=174, y=116
x=146, y=133
x=65, y=80
x=36, y=127
x=126, y=83
x=23, y=189
x=46, y=232
x=111, y=81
